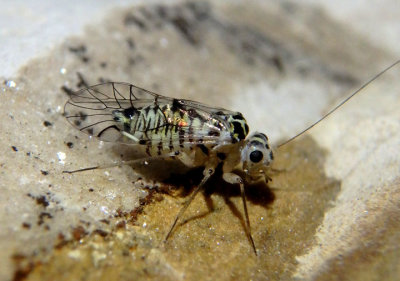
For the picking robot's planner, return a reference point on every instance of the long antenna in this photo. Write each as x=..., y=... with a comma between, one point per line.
x=343, y=102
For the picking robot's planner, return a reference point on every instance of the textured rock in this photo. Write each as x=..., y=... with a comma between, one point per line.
x=331, y=213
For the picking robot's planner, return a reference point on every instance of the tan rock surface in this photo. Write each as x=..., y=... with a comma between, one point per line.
x=332, y=213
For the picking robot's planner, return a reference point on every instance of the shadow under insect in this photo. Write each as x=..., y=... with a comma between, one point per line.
x=177, y=180
x=256, y=193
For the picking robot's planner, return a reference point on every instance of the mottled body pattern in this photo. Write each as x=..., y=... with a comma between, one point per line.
x=194, y=133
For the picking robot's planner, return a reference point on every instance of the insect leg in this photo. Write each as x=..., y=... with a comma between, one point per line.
x=235, y=179
x=120, y=163
x=208, y=172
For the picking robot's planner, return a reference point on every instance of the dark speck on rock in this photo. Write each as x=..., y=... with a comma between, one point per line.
x=47, y=124
x=70, y=144
x=26, y=225
x=44, y=173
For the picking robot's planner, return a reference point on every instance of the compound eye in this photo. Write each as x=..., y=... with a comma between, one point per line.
x=256, y=156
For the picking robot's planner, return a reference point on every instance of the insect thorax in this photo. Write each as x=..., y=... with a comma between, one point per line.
x=238, y=127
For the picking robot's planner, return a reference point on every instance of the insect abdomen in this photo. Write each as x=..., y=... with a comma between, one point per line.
x=176, y=134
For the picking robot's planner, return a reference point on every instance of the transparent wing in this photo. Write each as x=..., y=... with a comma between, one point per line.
x=90, y=111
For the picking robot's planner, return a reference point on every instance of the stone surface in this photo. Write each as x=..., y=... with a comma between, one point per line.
x=33, y=28
x=331, y=213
